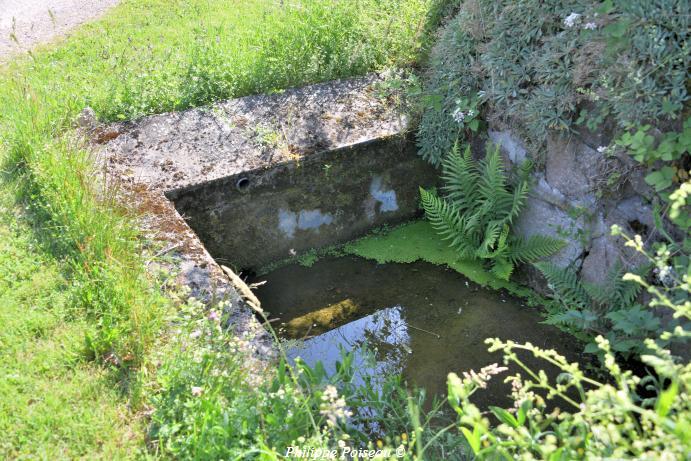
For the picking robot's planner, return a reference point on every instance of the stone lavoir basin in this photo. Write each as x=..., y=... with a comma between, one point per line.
x=417, y=319
x=252, y=181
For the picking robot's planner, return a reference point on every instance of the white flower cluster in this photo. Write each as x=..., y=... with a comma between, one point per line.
x=666, y=275
x=572, y=20
x=333, y=407
x=575, y=19
x=482, y=377
x=459, y=116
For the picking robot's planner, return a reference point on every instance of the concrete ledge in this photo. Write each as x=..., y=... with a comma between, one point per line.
x=179, y=150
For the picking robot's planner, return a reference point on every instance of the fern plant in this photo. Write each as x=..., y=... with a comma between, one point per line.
x=609, y=309
x=478, y=209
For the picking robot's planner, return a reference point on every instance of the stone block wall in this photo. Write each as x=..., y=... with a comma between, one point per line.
x=578, y=193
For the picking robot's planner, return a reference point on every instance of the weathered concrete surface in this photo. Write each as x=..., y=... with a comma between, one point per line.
x=179, y=150
x=27, y=23
x=327, y=198
x=262, y=177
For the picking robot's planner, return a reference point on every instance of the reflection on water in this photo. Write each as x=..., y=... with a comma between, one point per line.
x=423, y=321
x=385, y=330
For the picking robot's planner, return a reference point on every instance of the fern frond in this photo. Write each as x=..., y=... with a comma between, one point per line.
x=460, y=174
x=624, y=293
x=581, y=319
x=492, y=232
x=448, y=222
x=534, y=248
x=565, y=285
x=520, y=194
x=492, y=179
x=600, y=294
x=443, y=216
x=502, y=268
x=500, y=247
x=614, y=292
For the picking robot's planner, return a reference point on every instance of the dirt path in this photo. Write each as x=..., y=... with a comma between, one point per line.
x=26, y=23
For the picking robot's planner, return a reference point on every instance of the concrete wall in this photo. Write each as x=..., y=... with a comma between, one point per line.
x=253, y=218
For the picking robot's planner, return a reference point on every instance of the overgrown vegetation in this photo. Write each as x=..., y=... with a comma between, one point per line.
x=609, y=309
x=73, y=284
x=215, y=404
x=53, y=404
x=153, y=56
x=478, y=209
x=557, y=65
x=143, y=59
x=149, y=56
x=625, y=417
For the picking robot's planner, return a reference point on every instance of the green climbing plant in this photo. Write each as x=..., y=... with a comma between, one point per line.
x=478, y=209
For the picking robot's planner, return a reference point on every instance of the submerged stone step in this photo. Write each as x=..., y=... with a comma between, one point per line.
x=264, y=177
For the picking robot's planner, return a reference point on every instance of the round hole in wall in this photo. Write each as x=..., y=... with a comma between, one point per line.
x=242, y=184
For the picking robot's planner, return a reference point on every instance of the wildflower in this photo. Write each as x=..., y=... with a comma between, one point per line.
x=602, y=149
x=214, y=316
x=333, y=408
x=590, y=26
x=666, y=275
x=458, y=115
x=195, y=334
x=572, y=19
x=482, y=378
x=197, y=391
x=330, y=393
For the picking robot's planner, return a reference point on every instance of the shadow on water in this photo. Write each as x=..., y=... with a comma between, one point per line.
x=422, y=321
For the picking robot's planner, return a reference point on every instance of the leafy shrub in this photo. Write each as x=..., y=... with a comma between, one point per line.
x=478, y=210
x=599, y=420
x=670, y=148
x=553, y=65
x=609, y=309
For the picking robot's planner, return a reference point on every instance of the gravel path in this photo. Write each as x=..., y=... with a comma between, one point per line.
x=39, y=21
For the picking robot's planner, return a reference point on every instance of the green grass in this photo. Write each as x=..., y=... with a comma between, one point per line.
x=54, y=404
x=151, y=56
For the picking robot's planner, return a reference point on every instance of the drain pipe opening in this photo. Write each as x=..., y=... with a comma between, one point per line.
x=242, y=184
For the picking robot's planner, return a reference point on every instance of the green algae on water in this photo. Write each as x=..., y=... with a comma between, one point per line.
x=418, y=241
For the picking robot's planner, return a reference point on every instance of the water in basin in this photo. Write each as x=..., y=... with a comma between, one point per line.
x=422, y=320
